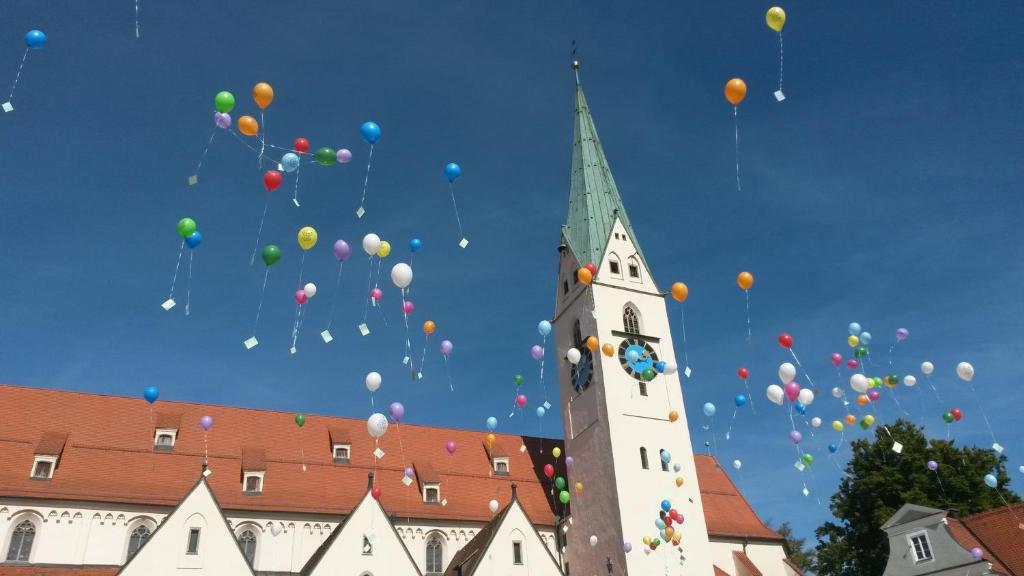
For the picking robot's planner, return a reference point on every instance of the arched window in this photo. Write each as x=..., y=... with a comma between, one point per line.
x=435, y=557
x=247, y=540
x=577, y=334
x=634, y=268
x=137, y=538
x=643, y=457
x=614, y=266
x=630, y=320
x=21, y=542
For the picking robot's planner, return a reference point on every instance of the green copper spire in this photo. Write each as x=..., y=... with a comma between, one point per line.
x=594, y=201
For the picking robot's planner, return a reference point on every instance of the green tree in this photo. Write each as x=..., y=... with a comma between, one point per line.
x=796, y=548
x=879, y=481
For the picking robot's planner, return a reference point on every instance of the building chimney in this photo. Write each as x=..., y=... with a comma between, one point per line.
x=369, y=480
x=513, y=491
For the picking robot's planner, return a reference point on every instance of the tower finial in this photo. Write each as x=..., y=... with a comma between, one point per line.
x=575, y=63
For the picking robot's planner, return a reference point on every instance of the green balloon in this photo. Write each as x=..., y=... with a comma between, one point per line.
x=563, y=497
x=808, y=458
x=560, y=483
x=648, y=374
x=860, y=352
x=876, y=382
x=271, y=254
x=892, y=380
x=300, y=420
x=186, y=226
x=326, y=156
x=948, y=417
x=519, y=379
x=864, y=424
x=224, y=102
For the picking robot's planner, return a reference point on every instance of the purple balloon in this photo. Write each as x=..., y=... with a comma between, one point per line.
x=450, y=447
x=344, y=156
x=901, y=334
x=537, y=352
x=569, y=461
x=446, y=347
x=409, y=472
x=976, y=553
x=795, y=436
x=206, y=422
x=222, y=120
x=342, y=250
x=397, y=411
x=627, y=547
x=933, y=465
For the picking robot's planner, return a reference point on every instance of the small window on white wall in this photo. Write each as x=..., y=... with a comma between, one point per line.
x=22, y=538
x=614, y=267
x=920, y=546
x=192, y=548
x=137, y=538
x=501, y=466
x=253, y=483
x=634, y=268
x=517, y=552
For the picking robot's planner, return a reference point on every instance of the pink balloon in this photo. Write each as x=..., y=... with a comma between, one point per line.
x=447, y=347
x=537, y=352
x=901, y=334
x=837, y=359
x=300, y=296
x=407, y=307
x=852, y=364
x=792, y=391
x=343, y=156
x=873, y=395
x=450, y=447
x=521, y=400
x=376, y=294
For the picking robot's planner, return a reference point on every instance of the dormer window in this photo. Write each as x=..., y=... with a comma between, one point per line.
x=432, y=493
x=254, y=467
x=342, y=453
x=920, y=546
x=500, y=466
x=47, y=455
x=42, y=467
x=253, y=484
x=164, y=439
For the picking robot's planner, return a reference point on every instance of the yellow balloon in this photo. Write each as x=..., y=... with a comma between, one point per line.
x=263, y=94
x=776, y=18
x=869, y=419
x=647, y=540
x=853, y=341
x=385, y=249
x=837, y=425
x=679, y=481
x=579, y=487
x=307, y=237
x=556, y=451
x=491, y=439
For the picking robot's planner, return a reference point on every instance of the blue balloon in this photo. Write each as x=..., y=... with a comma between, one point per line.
x=666, y=505
x=151, y=393
x=452, y=171
x=290, y=162
x=991, y=481
x=865, y=338
x=194, y=239
x=741, y=399
x=35, y=39
x=540, y=411
x=853, y=328
x=833, y=448
x=800, y=408
x=666, y=458
x=544, y=327
x=665, y=536
x=492, y=423
x=659, y=366
x=415, y=244
x=659, y=524
x=632, y=355
x=709, y=409
x=371, y=132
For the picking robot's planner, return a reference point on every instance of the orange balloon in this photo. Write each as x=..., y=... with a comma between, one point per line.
x=850, y=419
x=608, y=350
x=680, y=291
x=745, y=280
x=862, y=400
x=579, y=487
x=263, y=94
x=735, y=91
x=248, y=125
x=592, y=343
x=673, y=416
x=679, y=481
x=429, y=327
x=491, y=439
x=585, y=276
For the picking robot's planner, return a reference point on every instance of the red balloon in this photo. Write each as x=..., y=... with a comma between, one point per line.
x=301, y=145
x=593, y=269
x=742, y=373
x=957, y=414
x=375, y=492
x=873, y=395
x=852, y=364
x=300, y=296
x=786, y=341
x=271, y=180
x=549, y=470
x=837, y=359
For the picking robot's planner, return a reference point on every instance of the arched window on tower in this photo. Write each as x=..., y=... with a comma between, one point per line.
x=633, y=266
x=630, y=320
x=21, y=542
x=247, y=541
x=643, y=457
x=577, y=334
x=138, y=538
x=435, y=557
x=614, y=266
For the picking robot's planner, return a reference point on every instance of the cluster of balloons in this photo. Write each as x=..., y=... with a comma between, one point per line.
x=801, y=397
x=587, y=273
x=187, y=229
x=668, y=522
x=954, y=415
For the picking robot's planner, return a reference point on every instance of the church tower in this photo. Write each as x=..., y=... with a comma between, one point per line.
x=616, y=419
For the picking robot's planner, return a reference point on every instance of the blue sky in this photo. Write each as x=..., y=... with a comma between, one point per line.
x=884, y=190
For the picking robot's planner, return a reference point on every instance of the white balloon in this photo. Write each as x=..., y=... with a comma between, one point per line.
x=927, y=368
x=806, y=397
x=573, y=355
x=377, y=424
x=401, y=275
x=837, y=392
x=776, y=394
x=493, y=505
x=816, y=422
x=275, y=528
x=859, y=383
x=371, y=243
x=909, y=380
x=373, y=381
x=593, y=540
x=309, y=289
x=671, y=367
x=965, y=371
x=737, y=464
x=787, y=372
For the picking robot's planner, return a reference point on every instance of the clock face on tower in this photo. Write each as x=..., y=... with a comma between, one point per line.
x=583, y=371
x=636, y=355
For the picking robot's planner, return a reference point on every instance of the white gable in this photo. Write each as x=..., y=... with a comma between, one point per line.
x=216, y=553
x=345, y=553
x=622, y=265
x=498, y=558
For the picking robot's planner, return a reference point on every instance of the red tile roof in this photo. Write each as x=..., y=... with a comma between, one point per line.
x=966, y=539
x=51, y=444
x=253, y=459
x=111, y=435
x=799, y=571
x=40, y=570
x=720, y=572
x=170, y=420
x=1000, y=535
x=746, y=562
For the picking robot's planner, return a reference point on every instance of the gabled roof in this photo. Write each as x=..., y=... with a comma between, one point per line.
x=594, y=201
x=910, y=513
x=726, y=512
x=745, y=561
x=719, y=571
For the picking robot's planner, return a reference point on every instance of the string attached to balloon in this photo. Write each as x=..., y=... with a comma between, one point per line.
x=271, y=256
x=186, y=226
x=34, y=40
x=537, y=352
x=263, y=95
x=745, y=280
x=342, y=251
x=428, y=328
x=306, y=238
x=371, y=244
x=401, y=276
x=680, y=292
x=786, y=341
x=446, y=351
x=221, y=121
x=966, y=373
x=371, y=133
x=735, y=91
x=452, y=171
x=744, y=375
x=739, y=401
x=776, y=19
x=271, y=181
x=192, y=240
